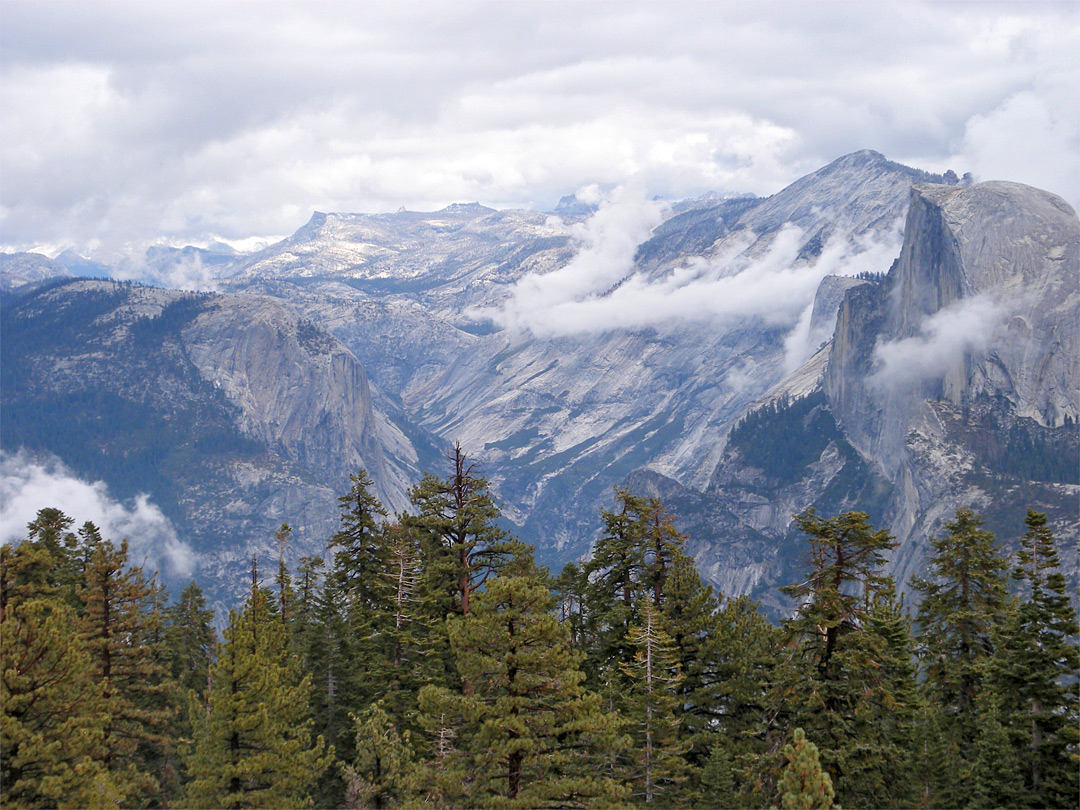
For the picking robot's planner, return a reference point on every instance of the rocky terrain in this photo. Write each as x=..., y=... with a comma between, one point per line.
x=574, y=350
x=233, y=412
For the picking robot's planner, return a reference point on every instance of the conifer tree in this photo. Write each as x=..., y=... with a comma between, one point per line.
x=691, y=614
x=740, y=660
x=50, y=530
x=459, y=526
x=283, y=579
x=833, y=682
x=360, y=554
x=963, y=599
x=1034, y=671
x=613, y=579
x=190, y=640
x=252, y=742
x=127, y=657
x=717, y=780
x=656, y=768
x=52, y=713
x=47, y=563
x=996, y=777
x=380, y=775
x=457, y=522
x=529, y=735
x=803, y=784
x=403, y=652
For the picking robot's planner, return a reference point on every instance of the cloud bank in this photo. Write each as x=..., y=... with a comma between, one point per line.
x=965, y=327
x=28, y=485
x=125, y=122
x=601, y=290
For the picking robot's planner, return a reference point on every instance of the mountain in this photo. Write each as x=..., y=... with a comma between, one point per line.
x=557, y=420
x=592, y=346
x=20, y=269
x=234, y=413
x=951, y=383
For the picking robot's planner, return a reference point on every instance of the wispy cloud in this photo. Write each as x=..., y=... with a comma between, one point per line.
x=965, y=327
x=28, y=485
x=601, y=290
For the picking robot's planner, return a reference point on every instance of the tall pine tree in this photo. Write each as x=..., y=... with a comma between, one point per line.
x=252, y=742
x=535, y=737
x=963, y=600
x=1034, y=670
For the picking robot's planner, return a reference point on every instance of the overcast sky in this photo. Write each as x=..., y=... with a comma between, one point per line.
x=126, y=123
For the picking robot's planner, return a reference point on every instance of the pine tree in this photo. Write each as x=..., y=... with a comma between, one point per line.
x=613, y=581
x=403, y=648
x=47, y=564
x=380, y=775
x=663, y=547
x=1034, y=671
x=656, y=768
x=832, y=682
x=803, y=784
x=463, y=545
x=717, y=780
x=52, y=713
x=691, y=614
x=283, y=580
x=127, y=657
x=996, y=777
x=459, y=526
x=529, y=734
x=963, y=599
x=360, y=553
x=252, y=742
x=740, y=662
x=190, y=640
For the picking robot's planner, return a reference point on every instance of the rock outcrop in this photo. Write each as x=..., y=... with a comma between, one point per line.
x=233, y=413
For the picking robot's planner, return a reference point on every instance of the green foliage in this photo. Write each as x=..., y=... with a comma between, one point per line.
x=458, y=524
x=964, y=599
x=1033, y=672
x=252, y=742
x=844, y=678
x=717, y=782
x=360, y=553
x=127, y=657
x=784, y=436
x=535, y=737
x=803, y=784
x=655, y=766
x=380, y=775
x=53, y=714
x=450, y=679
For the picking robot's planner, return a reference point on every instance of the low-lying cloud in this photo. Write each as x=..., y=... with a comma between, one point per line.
x=965, y=327
x=126, y=122
x=28, y=485
x=601, y=290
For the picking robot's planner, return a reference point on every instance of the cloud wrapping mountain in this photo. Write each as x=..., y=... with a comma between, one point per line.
x=28, y=485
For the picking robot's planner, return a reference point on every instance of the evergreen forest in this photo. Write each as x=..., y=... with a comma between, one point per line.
x=428, y=661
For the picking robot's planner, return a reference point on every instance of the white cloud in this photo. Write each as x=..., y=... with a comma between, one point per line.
x=28, y=485
x=601, y=290
x=965, y=327
x=126, y=122
x=1050, y=138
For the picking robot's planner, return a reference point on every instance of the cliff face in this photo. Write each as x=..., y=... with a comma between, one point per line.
x=233, y=413
x=982, y=304
x=952, y=383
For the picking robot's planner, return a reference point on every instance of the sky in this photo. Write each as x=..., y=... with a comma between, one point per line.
x=130, y=123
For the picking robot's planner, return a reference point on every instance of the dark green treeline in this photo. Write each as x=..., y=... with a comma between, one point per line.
x=428, y=661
